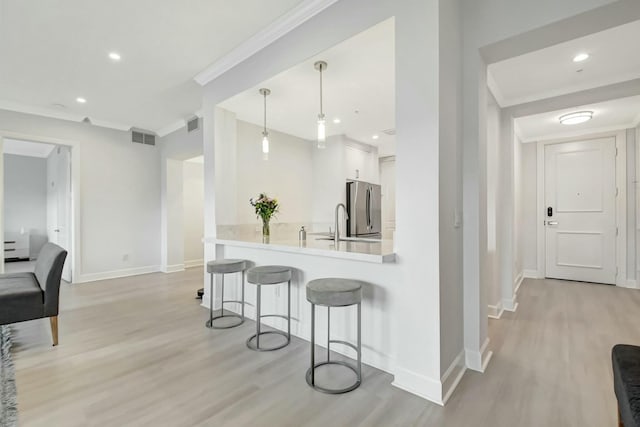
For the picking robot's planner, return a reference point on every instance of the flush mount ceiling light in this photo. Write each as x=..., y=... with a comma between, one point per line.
x=581, y=57
x=265, y=135
x=576, y=118
x=114, y=56
x=81, y=100
x=322, y=132
x=375, y=136
x=337, y=121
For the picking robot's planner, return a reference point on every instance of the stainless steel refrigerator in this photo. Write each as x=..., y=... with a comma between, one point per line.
x=364, y=206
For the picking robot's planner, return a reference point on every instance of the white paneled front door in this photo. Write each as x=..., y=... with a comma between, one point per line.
x=580, y=218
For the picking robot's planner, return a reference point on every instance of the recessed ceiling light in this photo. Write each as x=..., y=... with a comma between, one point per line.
x=115, y=56
x=375, y=137
x=576, y=118
x=336, y=120
x=581, y=57
x=81, y=100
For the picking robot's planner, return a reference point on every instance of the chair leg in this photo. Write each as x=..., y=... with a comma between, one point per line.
x=54, y=329
x=620, y=423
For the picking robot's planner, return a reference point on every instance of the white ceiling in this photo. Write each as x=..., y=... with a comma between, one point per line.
x=27, y=148
x=551, y=71
x=56, y=50
x=611, y=115
x=360, y=77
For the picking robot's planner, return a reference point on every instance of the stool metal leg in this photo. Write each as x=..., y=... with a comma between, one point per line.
x=242, y=308
x=211, y=301
x=328, y=333
x=259, y=294
x=222, y=298
x=289, y=311
x=359, y=342
x=357, y=370
x=212, y=318
x=313, y=344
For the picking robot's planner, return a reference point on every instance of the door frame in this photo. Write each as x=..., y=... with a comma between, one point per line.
x=621, y=200
x=75, y=240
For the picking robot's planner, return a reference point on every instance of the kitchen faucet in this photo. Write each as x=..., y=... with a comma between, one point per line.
x=336, y=235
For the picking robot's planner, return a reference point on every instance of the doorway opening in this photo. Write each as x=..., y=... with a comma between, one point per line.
x=37, y=202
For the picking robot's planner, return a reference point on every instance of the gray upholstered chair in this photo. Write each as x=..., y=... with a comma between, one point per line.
x=28, y=296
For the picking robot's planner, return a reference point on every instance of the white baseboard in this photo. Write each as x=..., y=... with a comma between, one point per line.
x=530, y=274
x=115, y=274
x=495, y=311
x=479, y=360
x=518, y=282
x=418, y=384
x=194, y=263
x=172, y=268
x=452, y=377
x=630, y=284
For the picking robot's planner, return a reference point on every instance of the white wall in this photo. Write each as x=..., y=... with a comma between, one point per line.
x=193, y=216
x=119, y=194
x=287, y=175
x=25, y=199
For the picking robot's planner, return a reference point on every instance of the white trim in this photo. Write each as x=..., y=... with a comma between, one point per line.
x=529, y=274
x=172, y=268
x=479, y=360
x=281, y=26
x=518, y=282
x=194, y=263
x=75, y=256
x=452, y=377
x=418, y=384
x=115, y=274
x=620, y=138
x=495, y=311
x=61, y=115
x=495, y=89
x=579, y=133
x=630, y=284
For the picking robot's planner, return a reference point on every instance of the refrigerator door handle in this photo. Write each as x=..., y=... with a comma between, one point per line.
x=369, y=208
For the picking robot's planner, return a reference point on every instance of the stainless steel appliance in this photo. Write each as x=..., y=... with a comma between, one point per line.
x=364, y=207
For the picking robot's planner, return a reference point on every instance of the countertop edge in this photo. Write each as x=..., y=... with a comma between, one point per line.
x=353, y=256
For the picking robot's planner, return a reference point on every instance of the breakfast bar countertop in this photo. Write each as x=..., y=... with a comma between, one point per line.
x=375, y=252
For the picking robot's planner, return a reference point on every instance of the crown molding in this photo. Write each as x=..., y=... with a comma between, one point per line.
x=281, y=26
x=58, y=114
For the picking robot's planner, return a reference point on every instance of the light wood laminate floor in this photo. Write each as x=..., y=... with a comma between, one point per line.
x=134, y=352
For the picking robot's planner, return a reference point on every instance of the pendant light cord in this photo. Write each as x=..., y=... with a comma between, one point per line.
x=265, y=113
x=321, y=112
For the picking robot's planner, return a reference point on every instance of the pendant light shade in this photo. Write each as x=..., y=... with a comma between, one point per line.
x=322, y=130
x=265, y=135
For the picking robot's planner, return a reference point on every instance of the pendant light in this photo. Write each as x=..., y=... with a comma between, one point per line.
x=265, y=135
x=322, y=131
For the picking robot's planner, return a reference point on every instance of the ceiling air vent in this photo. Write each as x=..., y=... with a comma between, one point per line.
x=193, y=124
x=389, y=132
x=143, y=138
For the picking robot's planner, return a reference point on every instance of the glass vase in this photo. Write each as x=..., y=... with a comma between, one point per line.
x=266, y=231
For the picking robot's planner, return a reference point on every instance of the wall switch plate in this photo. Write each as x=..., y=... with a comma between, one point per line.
x=457, y=219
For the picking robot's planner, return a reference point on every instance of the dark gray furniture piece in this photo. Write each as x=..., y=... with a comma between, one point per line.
x=269, y=275
x=334, y=292
x=28, y=296
x=626, y=383
x=223, y=267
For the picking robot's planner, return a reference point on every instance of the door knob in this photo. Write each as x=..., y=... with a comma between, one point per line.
x=552, y=222
x=57, y=230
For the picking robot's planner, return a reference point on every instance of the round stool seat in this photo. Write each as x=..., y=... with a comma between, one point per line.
x=225, y=266
x=269, y=274
x=334, y=292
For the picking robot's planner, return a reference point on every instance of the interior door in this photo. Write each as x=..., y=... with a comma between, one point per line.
x=59, y=203
x=580, y=204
